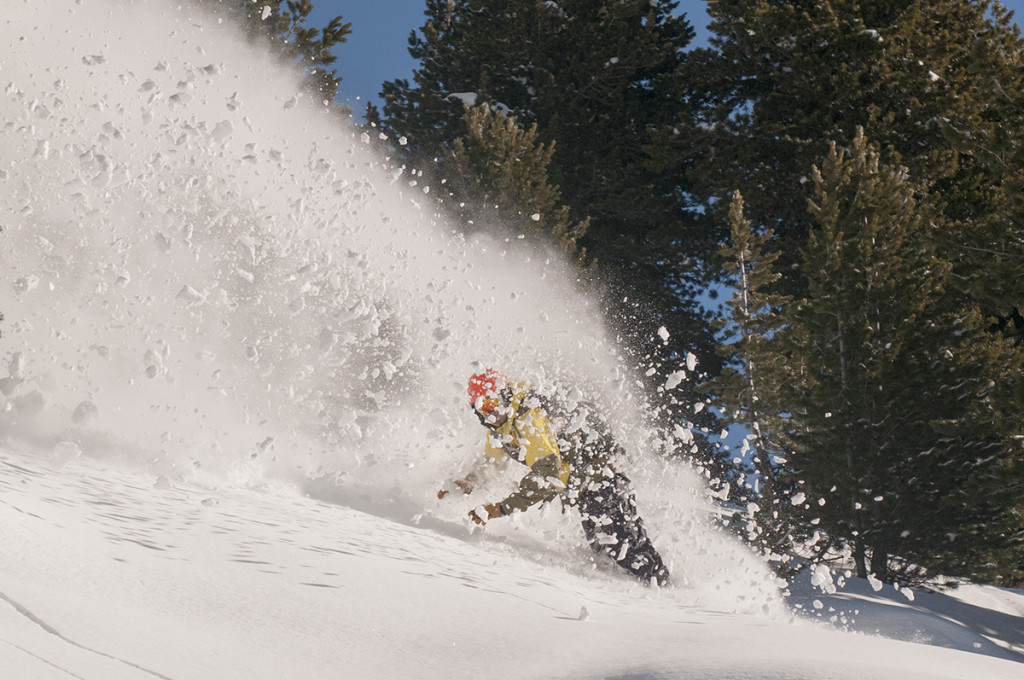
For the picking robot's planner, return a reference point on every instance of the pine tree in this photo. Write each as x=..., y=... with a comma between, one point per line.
x=593, y=75
x=282, y=25
x=500, y=181
x=596, y=77
x=739, y=391
x=894, y=399
x=937, y=84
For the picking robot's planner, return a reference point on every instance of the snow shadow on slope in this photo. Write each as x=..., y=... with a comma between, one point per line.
x=992, y=624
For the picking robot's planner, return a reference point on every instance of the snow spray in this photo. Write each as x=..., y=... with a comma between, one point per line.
x=211, y=276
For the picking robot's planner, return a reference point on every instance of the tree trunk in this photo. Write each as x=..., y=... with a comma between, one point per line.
x=880, y=561
x=859, y=558
x=769, y=495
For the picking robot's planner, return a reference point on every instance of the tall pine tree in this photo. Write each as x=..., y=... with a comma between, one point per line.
x=937, y=83
x=597, y=78
x=740, y=391
x=893, y=398
x=500, y=179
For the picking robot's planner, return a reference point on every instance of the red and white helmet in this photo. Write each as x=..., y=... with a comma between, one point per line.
x=485, y=389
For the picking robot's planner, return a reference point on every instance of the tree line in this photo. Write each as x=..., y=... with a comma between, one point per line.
x=848, y=172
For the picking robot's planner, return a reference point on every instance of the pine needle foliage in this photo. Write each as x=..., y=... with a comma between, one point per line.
x=892, y=397
x=597, y=78
x=753, y=319
x=499, y=180
x=938, y=84
x=282, y=24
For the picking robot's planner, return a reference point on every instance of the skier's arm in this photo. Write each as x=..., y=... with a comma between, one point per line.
x=479, y=473
x=542, y=483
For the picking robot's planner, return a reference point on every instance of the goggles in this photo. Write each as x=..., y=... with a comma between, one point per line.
x=488, y=411
x=489, y=405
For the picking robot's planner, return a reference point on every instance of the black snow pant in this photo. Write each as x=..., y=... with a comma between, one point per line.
x=613, y=527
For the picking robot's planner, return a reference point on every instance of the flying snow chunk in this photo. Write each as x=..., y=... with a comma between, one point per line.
x=556, y=10
x=468, y=99
x=85, y=411
x=222, y=130
x=26, y=283
x=63, y=453
x=674, y=379
x=663, y=334
x=191, y=295
x=821, y=577
x=691, y=361
x=266, y=13
x=876, y=584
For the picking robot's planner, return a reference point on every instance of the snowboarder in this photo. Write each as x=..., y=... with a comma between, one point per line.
x=573, y=461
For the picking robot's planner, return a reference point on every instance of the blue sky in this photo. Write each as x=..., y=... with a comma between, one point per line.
x=377, y=49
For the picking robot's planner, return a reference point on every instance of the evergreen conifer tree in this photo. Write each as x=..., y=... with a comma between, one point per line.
x=282, y=25
x=597, y=78
x=500, y=181
x=939, y=84
x=752, y=321
x=894, y=399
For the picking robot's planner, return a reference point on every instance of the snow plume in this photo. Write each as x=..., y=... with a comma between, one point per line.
x=200, y=260
x=208, y=275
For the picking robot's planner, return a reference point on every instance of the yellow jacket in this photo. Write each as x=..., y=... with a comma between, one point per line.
x=529, y=438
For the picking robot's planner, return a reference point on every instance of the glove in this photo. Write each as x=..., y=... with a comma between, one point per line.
x=493, y=510
x=465, y=486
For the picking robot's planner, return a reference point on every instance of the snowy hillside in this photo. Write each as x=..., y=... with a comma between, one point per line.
x=232, y=379
x=108, y=575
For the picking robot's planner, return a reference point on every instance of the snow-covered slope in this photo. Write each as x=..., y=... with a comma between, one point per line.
x=232, y=379
x=109, y=575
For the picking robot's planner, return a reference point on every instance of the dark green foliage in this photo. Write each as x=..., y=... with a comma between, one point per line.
x=937, y=84
x=752, y=320
x=592, y=74
x=282, y=25
x=893, y=398
x=597, y=78
x=499, y=181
